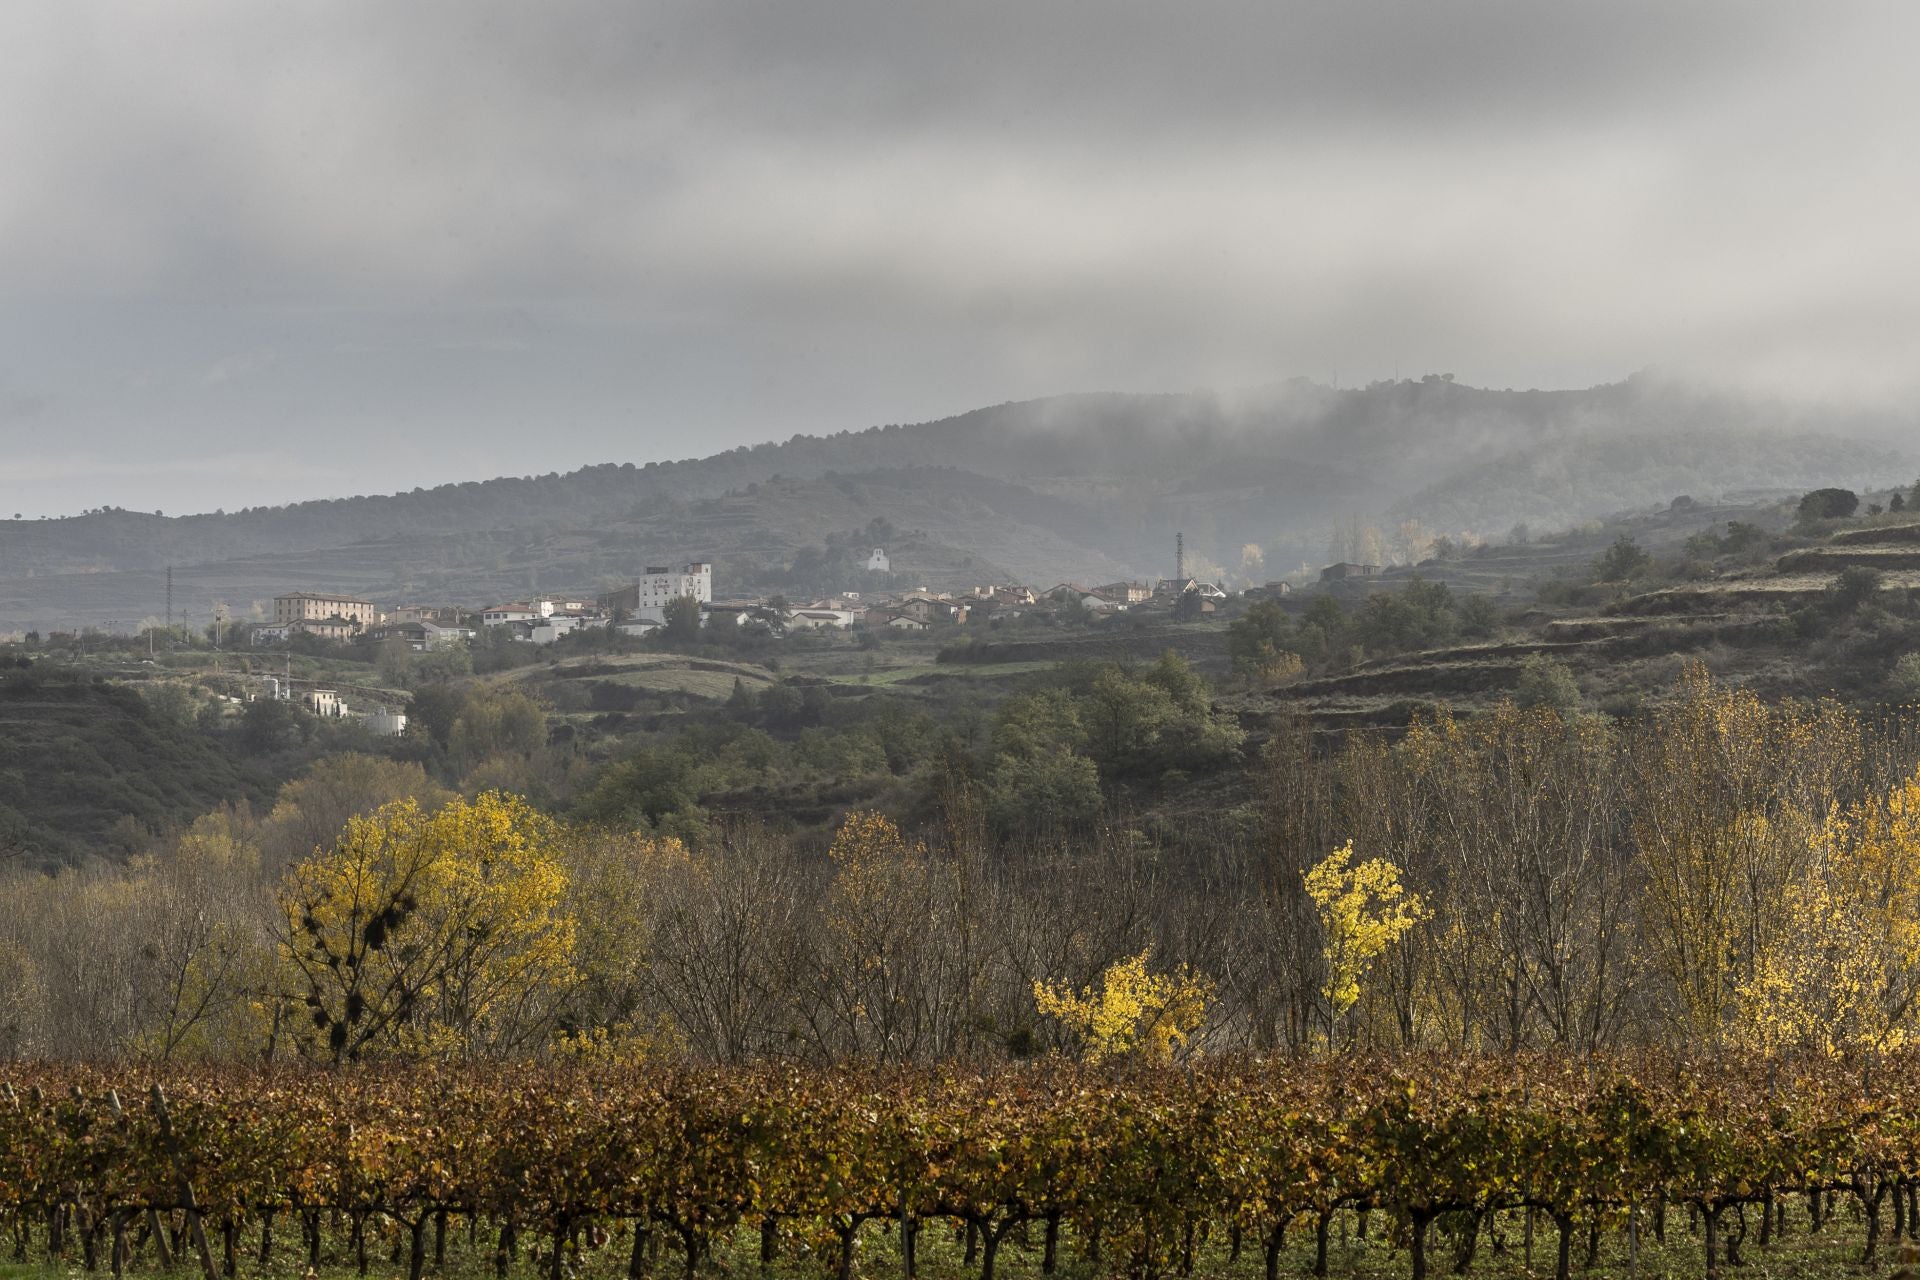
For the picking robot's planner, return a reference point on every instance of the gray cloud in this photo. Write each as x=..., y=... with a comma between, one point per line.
x=386, y=245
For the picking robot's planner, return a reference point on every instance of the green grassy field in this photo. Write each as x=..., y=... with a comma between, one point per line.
x=700, y=684
x=655, y=672
x=954, y=670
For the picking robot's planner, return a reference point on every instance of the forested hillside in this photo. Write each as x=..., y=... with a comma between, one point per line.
x=89, y=766
x=1072, y=487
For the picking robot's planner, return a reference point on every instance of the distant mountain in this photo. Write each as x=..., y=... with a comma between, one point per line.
x=1088, y=486
x=1561, y=480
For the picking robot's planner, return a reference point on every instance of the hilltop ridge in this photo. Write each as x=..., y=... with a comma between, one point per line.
x=1083, y=485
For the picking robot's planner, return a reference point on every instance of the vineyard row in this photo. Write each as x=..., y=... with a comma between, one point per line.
x=1132, y=1162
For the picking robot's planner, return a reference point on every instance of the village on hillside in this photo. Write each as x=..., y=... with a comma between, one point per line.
x=647, y=604
x=661, y=593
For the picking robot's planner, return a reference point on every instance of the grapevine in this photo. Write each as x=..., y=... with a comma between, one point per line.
x=1134, y=1161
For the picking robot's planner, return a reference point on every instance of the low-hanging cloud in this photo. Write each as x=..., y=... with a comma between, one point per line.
x=533, y=236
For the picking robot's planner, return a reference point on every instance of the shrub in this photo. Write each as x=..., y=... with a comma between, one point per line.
x=1828, y=504
x=1856, y=586
x=1624, y=561
x=1547, y=683
x=1906, y=677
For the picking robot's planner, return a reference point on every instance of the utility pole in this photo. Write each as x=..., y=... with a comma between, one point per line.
x=169, y=600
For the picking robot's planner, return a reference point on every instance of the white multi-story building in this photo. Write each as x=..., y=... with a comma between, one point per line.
x=326, y=704
x=661, y=583
x=499, y=615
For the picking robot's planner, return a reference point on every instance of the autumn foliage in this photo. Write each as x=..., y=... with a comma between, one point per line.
x=1131, y=1158
x=1713, y=873
x=1133, y=1010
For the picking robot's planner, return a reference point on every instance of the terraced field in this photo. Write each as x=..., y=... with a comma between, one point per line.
x=656, y=673
x=1884, y=557
x=1777, y=589
x=930, y=672
x=1750, y=625
x=1885, y=534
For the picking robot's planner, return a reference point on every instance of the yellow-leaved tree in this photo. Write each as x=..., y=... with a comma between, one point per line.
x=879, y=973
x=1725, y=795
x=1131, y=1011
x=429, y=933
x=617, y=885
x=1839, y=971
x=1363, y=909
x=1819, y=981
x=1874, y=849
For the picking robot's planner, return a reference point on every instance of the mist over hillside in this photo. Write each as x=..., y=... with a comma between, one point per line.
x=1089, y=486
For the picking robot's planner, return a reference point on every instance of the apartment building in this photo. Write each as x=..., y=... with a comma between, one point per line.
x=301, y=607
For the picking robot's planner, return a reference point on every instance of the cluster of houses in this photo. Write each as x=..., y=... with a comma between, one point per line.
x=642, y=607
x=637, y=609
x=329, y=704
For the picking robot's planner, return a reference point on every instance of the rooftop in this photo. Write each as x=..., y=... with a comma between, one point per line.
x=329, y=598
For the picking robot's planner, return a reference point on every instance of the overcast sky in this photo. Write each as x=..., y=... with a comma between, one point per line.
x=255, y=252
